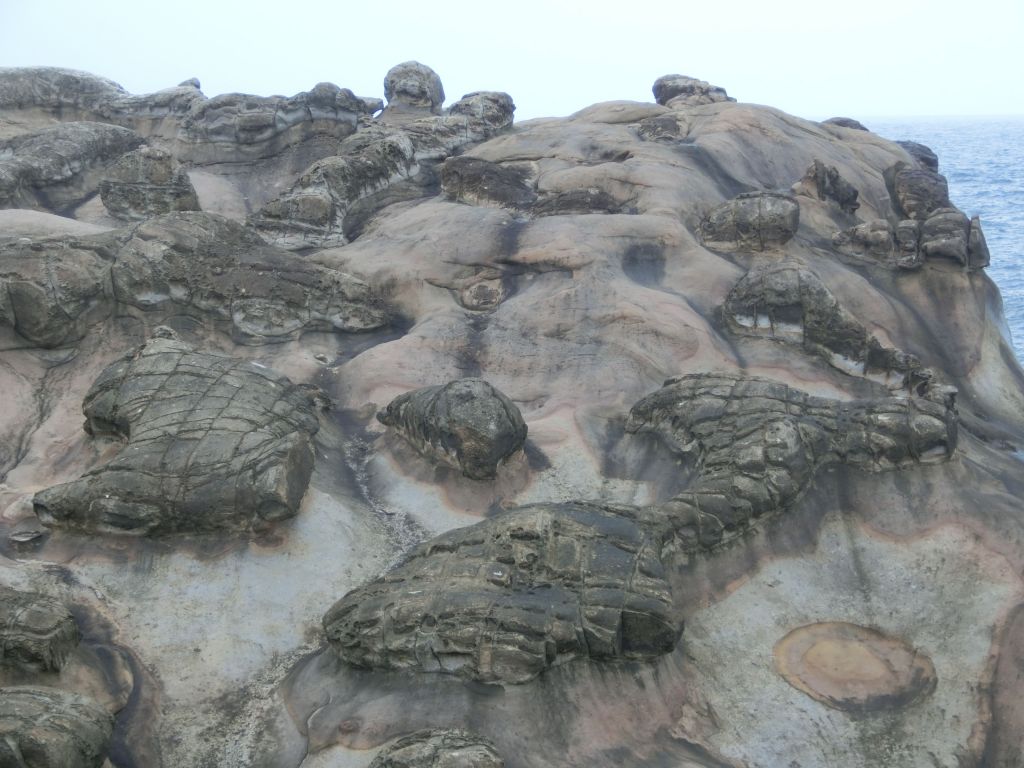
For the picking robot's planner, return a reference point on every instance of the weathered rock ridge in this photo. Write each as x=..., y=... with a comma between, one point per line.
x=674, y=433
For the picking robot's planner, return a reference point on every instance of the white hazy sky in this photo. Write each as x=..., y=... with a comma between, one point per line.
x=814, y=58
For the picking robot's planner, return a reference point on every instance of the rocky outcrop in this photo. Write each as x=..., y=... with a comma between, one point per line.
x=480, y=182
x=846, y=122
x=825, y=183
x=49, y=728
x=37, y=632
x=946, y=234
x=56, y=89
x=757, y=445
x=147, y=182
x=752, y=221
x=52, y=290
x=466, y=423
x=916, y=193
x=878, y=240
x=60, y=167
x=211, y=444
x=788, y=302
x=439, y=748
x=676, y=91
x=412, y=85
x=505, y=599
x=924, y=156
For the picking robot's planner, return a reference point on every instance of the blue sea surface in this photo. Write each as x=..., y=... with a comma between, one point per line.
x=983, y=159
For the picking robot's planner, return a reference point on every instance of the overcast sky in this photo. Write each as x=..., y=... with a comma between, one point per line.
x=813, y=58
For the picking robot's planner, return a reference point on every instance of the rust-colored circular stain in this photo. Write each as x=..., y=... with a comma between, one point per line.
x=853, y=668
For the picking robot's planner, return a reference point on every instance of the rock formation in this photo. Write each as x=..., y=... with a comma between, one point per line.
x=769, y=511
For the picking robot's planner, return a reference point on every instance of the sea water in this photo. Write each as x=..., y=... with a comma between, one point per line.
x=983, y=159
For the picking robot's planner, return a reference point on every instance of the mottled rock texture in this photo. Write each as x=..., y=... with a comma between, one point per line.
x=211, y=444
x=467, y=423
x=145, y=183
x=439, y=749
x=36, y=632
x=675, y=91
x=753, y=221
x=48, y=728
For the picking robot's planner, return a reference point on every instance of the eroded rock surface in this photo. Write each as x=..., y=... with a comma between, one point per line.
x=676, y=91
x=36, y=632
x=825, y=183
x=212, y=443
x=439, y=749
x=147, y=182
x=466, y=423
x=49, y=728
x=752, y=221
x=414, y=86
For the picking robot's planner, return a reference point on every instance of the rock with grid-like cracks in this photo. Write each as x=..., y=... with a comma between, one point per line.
x=439, y=748
x=507, y=598
x=147, y=182
x=467, y=424
x=752, y=221
x=212, y=443
x=49, y=728
x=37, y=632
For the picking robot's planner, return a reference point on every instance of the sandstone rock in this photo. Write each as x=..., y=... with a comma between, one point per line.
x=846, y=122
x=925, y=157
x=758, y=444
x=945, y=235
x=192, y=82
x=789, y=302
x=36, y=632
x=675, y=91
x=659, y=128
x=466, y=423
x=437, y=748
x=576, y=201
x=915, y=193
x=753, y=221
x=211, y=444
x=854, y=668
x=147, y=182
x=54, y=88
x=479, y=182
x=415, y=86
x=48, y=728
x=60, y=167
x=505, y=599
x=493, y=108
x=825, y=183
x=977, y=249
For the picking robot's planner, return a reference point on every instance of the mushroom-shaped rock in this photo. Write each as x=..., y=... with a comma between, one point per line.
x=147, y=182
x=50, y=728
x=676, y=91
x=825, y=183
x=752, y=221
x=36, y=632
x=415, y=86
x=466, y=423
x=439, y=748
x=212, y=443
x=509, y=597
x=481, y=182
x=945, y=234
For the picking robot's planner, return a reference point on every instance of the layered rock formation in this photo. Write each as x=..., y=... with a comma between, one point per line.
x=673, y=433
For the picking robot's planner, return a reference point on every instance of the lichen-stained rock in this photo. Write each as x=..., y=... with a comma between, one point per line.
x=916, y=193
x=825, y=183
x=466, y=423
x=789, y=302
x=147, y=182
x=412, y=85
x=675, y=91
x=50, y=728
x=59, y=167
x=507, y=598
x=480, y=182
x=36, y=632
x=53, y=289
x=212, y=443
x=218, y=269
x=757, y=444
x=752, y=221
x=439, y=748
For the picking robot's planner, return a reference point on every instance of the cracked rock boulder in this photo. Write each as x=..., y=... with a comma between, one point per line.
x=439, y=748
x=412, y=85
x=752, y=221
x=50, y=728
x=147, y=182
x=211, y=443
x=37, y=632
x=467, y=424
x=675, y=91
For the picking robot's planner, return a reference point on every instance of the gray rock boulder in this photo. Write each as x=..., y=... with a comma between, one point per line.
x=211, y=443
x=480, y=182
x=916, y=193
x=675, y=91
x=507, y=598
x=752, y=221
x=439, y=748
x=925, y=156
x=55, y=89
x=467, y=424
x=825, y=183
x=37, y=632
x=846, y=122
x=50, y=728
x=412, y=85
x=147, y=182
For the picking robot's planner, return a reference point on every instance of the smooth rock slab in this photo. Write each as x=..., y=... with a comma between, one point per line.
x=439, y=748
x=466, y=423
x=212, y=443
x=854, y=668
x=36, y=632
x=49, y=728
